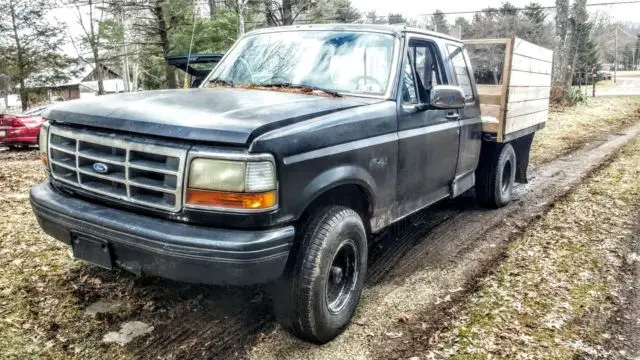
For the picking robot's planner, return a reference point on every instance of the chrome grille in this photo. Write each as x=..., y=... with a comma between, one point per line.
x=130, y=170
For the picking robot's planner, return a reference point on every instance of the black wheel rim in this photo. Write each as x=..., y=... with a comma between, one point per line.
x=506, y=176
x=342, y=276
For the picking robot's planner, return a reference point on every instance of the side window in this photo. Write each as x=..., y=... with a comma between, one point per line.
x=409, y=94
x=427, y=66
x=461, y=70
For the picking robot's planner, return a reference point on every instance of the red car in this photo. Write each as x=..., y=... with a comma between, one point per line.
x=21, y=129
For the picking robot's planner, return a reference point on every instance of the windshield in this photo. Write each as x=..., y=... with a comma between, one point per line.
x=350, y=62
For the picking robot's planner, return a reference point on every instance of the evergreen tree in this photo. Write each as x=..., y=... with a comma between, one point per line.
x=396, y=18
x=588, y=57
x=345, y=12
x=439, y=22
x=30, y=44
x=463, y=25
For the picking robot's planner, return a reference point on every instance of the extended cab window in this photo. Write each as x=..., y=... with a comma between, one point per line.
x=426, y=66
x=461, y=70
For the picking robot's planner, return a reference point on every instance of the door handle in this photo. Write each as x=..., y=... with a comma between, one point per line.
x=452, y=116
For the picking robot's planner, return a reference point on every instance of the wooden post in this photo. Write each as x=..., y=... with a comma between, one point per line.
x=593, y=91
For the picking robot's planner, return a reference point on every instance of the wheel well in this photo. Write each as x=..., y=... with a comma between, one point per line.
x=350, y=195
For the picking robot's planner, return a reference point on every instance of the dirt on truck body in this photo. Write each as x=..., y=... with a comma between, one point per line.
x=44, y=293
x=255, y=179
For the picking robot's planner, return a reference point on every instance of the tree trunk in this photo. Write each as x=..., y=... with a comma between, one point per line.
x=213, y=8
x=164, y=44
x=99, y=73
x=94, y=43
x=268, y=13
x=24, y=96
x=559, y=53
x=240, y=7
x=134, y=67
x=287, y=16
x=578, y=17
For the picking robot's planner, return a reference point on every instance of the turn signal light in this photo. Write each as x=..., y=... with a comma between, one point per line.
x=246, y=201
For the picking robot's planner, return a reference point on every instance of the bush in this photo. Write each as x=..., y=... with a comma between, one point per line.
x=573, y=96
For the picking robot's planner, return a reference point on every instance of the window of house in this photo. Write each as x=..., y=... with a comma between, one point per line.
x=461, y=70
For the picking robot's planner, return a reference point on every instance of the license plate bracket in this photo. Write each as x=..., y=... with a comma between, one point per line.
x=93, y=250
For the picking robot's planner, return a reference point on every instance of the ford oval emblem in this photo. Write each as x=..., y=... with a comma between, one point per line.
x=100, y=168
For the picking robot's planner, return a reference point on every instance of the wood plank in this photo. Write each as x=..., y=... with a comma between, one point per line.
x=497, y=41
x=490, y=99
x=528, y=64
x=522, y=47
x=523, y=78
x=526, y=107
x=523, y=93
x=490, y=110
x=506, y=80
x=522, y=122
x=489, y=124
x=489, y=89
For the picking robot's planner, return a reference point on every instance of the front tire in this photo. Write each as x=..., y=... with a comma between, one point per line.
x=496, y=175
x=320, y=290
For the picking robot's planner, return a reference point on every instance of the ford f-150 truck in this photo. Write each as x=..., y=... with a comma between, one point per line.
x=301, y=143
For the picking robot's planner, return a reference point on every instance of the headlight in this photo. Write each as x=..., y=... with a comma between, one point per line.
x=232, y=184
x=43, y=140
x=220, y=175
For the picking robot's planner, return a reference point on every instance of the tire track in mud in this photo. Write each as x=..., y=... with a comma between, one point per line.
x=220, y=325
x=229, y=321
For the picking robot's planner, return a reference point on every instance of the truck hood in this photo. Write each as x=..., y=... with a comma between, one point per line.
x=225, y=115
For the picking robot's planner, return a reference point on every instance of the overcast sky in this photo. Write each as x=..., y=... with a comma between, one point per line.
x=413, y=8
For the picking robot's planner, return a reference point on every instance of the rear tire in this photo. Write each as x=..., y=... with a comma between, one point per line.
x=318, y=293
x=495, y=177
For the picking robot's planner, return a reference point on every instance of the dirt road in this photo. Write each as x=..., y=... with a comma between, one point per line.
x=421, y=265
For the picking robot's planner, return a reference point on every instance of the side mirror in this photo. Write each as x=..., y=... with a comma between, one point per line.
x=447, y=97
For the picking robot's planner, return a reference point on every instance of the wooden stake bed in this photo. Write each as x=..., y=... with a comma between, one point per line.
x=513, y=77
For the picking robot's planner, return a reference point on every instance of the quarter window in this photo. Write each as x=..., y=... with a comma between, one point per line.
x=409, y=94
x=461, y=70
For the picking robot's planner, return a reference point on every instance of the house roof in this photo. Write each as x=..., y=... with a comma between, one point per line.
x=73, y=75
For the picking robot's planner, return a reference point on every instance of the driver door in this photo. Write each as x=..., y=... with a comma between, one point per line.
x=428, y=138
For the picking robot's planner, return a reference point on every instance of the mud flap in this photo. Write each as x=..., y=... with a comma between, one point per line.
x=522, y=147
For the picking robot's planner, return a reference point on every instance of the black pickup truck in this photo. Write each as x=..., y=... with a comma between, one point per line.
x=302, y=143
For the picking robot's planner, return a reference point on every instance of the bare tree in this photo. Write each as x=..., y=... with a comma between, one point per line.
x=90, y=23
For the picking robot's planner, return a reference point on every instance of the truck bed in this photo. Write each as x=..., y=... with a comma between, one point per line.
x=513, y=77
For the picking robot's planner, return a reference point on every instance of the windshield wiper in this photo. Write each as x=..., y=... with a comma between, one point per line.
x=302, y=86
x=222, y=81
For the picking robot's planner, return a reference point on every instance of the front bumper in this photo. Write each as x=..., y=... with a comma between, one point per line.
x=149, y=245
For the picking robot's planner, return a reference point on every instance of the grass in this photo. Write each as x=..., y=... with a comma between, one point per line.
x=554, y=291
x=568, y=129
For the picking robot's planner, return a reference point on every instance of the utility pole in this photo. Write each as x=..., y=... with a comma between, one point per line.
x=615, y=58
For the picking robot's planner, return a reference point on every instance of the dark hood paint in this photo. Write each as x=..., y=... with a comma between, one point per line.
x=224, y=115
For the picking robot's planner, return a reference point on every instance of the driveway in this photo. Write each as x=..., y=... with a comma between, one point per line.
x=627, y=83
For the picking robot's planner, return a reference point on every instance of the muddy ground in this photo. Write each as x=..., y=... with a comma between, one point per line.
x=418, y=269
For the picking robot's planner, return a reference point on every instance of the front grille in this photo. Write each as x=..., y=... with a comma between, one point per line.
x=131, y=170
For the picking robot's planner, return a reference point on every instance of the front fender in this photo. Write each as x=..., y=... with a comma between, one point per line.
x=334, y=177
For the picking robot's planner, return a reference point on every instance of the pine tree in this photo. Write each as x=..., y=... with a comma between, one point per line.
x=439, y=22
x=463, y=25
x=31, y=44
